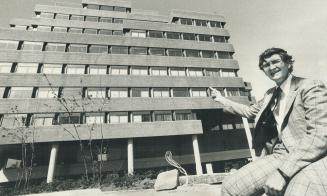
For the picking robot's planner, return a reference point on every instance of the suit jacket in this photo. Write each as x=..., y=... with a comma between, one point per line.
x=304, y=127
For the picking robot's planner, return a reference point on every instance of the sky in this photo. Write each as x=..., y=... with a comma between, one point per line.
x=298, y=26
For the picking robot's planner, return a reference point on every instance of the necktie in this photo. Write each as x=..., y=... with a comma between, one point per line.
x=266, y=128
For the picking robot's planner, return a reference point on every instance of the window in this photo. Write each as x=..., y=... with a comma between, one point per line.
x=138, y=34
x=58, y=47
x=119, y=50
x=184, y=115
x=117, y=32
x=47, y=92
x=59, y=29
x=91, y=18
x=75, y=69
x=173, y=35
x=107, y=8
x=98, y=70
x=138, y=50
x=208, y=54
x=233, y=92
x=46, y=15
x=36, y=46
x=8, y=45
x=43, y=119
x=20, y=92
x=157, y=71
x=71, y=118
x=98, y=49
x=163, y=116
x=105, y=32
x=43, y=28
x=224, y=55
x=52, y=68
x=177, y=72
x=118, y=20
x=140, y=92
x=186, y=21
x=219, y=39
x=189, y=36
x=215, y=24
x=118, y=92
x=93, y=7
x=5, y=67
x=157, y=51
x=228, y=73
x=192, y=53
x=96, y=92
x=227, y=126
x=160, y=92
x=139, y=71
x=239, y=126
x=27, y=68
x=90, y=31
x=202, y=23
x=71, y=93
x=174, y=52
x=77, y=48
x=205, y=38
x=195, y=72
x=118, y=117
x=105, y=19
x=77, y=17
x=62, y=16
x=119, y=70
x=213, y=72
x=75, y=30
x=221, y=90
x=14, y=120
x=199, y=92
x=156, y=34
x=94, y=118
x=120, y=9
x=180, y=92
x=141, y=117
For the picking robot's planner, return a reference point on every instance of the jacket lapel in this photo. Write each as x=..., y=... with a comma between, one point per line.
x=290, y=98
x=264, y=105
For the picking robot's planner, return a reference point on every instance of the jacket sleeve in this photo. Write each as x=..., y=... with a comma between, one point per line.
x=313, y=145
x=240, y=109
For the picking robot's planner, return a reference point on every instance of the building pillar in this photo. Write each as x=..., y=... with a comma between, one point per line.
x=52, y=162
x=248, y=136
x=197, y=155
x=209, y=168
x=130, y=157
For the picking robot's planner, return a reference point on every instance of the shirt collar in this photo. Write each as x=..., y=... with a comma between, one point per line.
x=286, y=85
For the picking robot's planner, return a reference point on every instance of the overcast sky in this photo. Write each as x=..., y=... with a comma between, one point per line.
x=299, y=26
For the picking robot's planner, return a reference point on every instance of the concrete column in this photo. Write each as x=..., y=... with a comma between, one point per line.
x=209, y=168
x=52, y=162
x=197, y=155
x=248, y=136
x=130, y=157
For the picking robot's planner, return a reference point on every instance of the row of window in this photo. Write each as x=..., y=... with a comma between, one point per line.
x=132, y=33
x=31, y=68
x=87, y=48
x=112, y=92
x=20, y=120
x=231, y=126
x=196, y=22
x=106, y=8
x=78, y=17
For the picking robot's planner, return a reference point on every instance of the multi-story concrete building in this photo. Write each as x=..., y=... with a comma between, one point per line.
x=102, y=81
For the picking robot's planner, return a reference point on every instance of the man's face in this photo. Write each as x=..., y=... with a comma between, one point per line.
x=275, y=68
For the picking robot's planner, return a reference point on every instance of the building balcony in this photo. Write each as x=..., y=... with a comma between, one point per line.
x=78, y=132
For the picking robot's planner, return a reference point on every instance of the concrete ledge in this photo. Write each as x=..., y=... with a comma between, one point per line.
x=203, y=179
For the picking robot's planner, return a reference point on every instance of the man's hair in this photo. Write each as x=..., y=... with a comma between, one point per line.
x=286, y=58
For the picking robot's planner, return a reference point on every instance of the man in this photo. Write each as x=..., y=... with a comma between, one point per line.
x=290, y=134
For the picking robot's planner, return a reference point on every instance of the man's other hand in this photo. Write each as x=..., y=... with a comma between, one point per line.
x=275, y=184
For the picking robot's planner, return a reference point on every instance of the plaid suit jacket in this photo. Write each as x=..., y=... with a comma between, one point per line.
x=304, y=128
